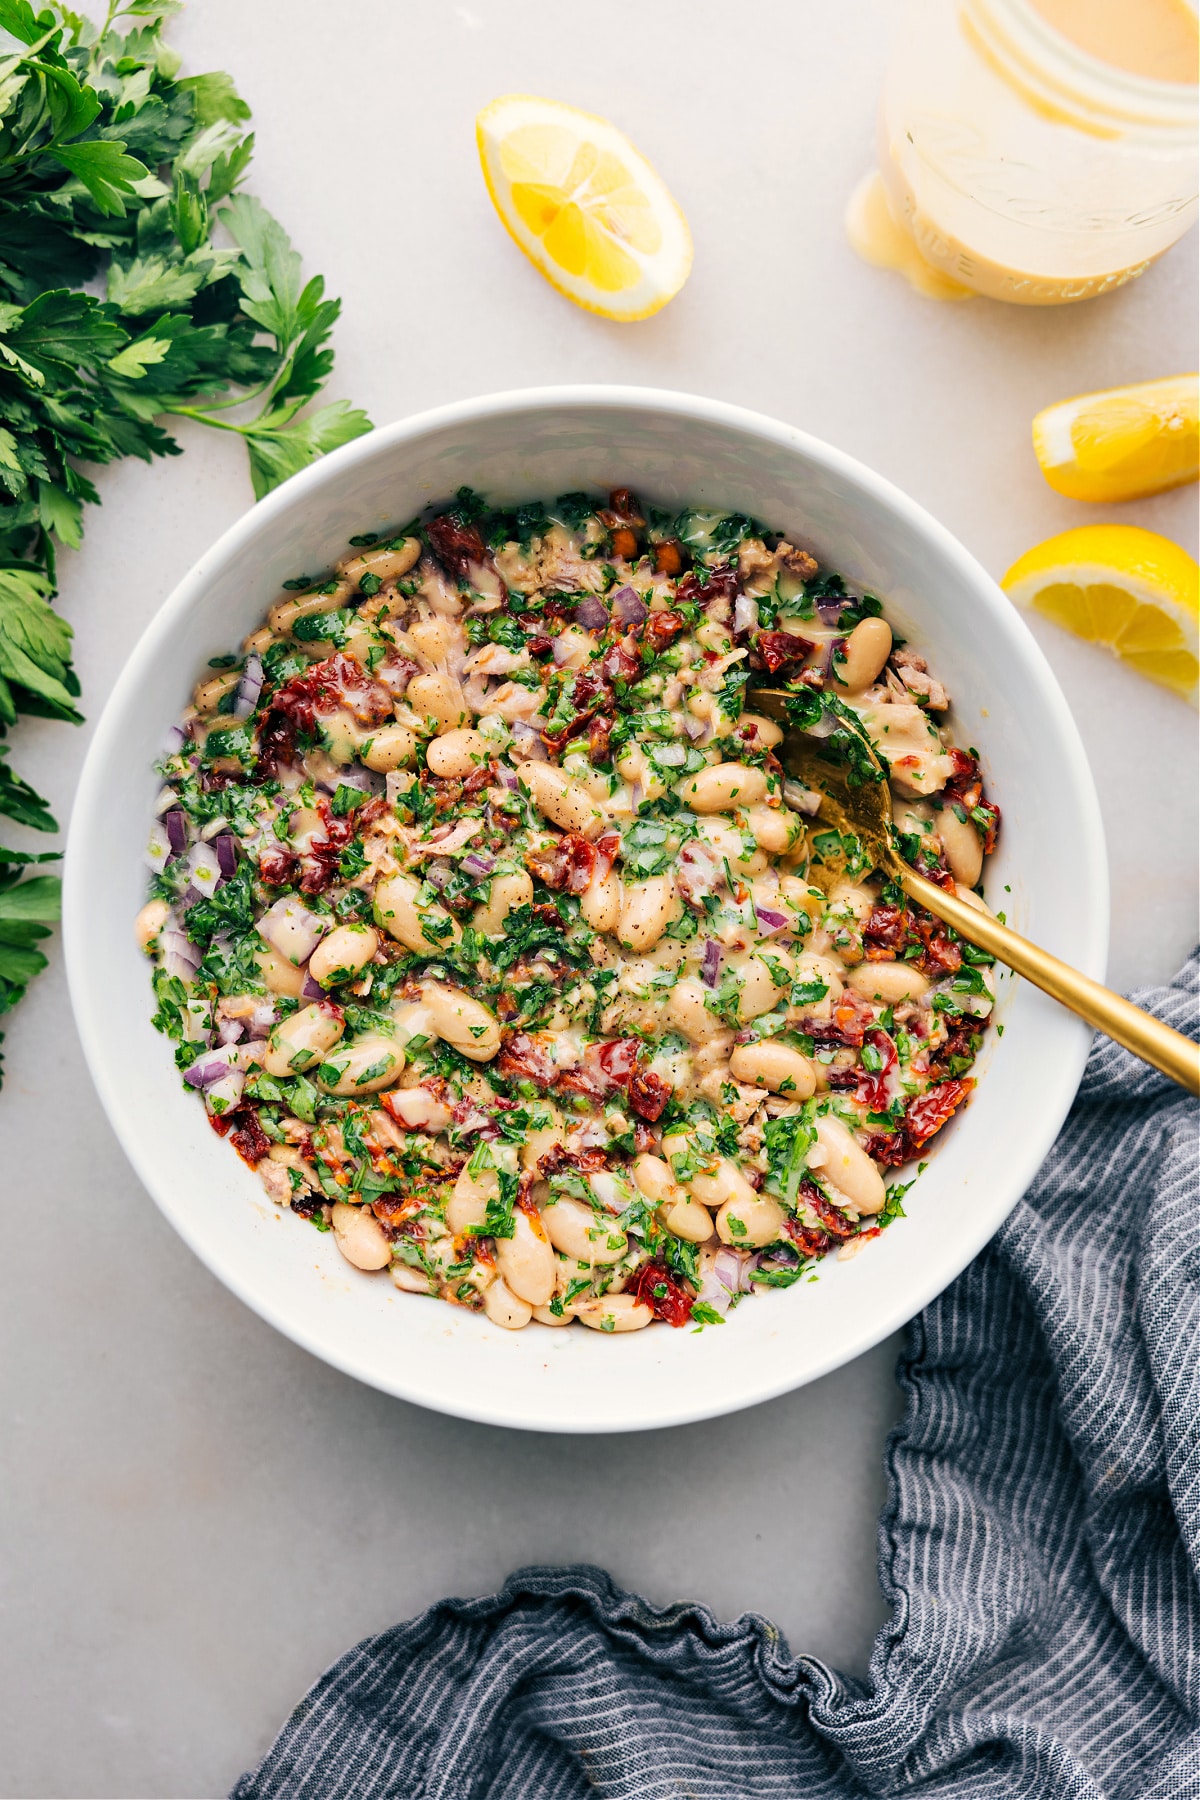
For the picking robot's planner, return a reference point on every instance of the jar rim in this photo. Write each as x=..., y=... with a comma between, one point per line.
x=1055, y=72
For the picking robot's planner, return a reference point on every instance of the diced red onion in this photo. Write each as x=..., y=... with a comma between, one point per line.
x=226, y=1093
x=249, y=688
x=694, y=727
x=769, y=921
x=180, y=957
x=527, y=743
x=745, y=614
x=177, y=830
x=205, y=867
x=825, y=726
x=710, y=966
x=227, y=854
x=479, y=866
x=229, y=1031
x=214, y=829
x=440, y=873
x=189, y=897
x=722, y=1281
x=671, y=756
x=628, y=607
x=158, y=847
x=367, y=781
x=166, y=800
x=290, y=928
x=312, y=990
x=262, y=1018
x=508, y=777
x=210, y=1066
x=591, y=613
x=746, y=1281
x=802, y=799
x=174, y=740
x=830, y=610
x=563, y=649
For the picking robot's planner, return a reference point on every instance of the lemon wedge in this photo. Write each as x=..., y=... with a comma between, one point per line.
x=1136, y=593
x=587, y=209
x=1124, y=443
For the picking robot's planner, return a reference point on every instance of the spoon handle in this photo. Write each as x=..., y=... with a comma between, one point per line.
x=1147, y=1037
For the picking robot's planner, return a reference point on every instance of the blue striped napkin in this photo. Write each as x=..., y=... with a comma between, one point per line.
x=1040, y=1549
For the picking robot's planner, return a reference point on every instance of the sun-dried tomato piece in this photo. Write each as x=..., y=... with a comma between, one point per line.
x=618, y=1058
x=567, y=863
x=625, y=508
x=590, y=694
x=624, y=543
x=809, y=1242
x=520, y=1059
x=247, y=1135
x=557, y=1158
x=656, y=1287
x=599, y=745
x=885, y=933
x=277, y=867
x=702, y=585
x=852, y=1017
x=604, y=852
x=774, y=650
x=660, y=628
x=648, y=1094
x=834, y=1222
x=455, y=542
x=926, y=1113
x=621, y=661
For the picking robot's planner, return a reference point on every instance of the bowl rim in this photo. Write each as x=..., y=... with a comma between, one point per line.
x=1089, y=949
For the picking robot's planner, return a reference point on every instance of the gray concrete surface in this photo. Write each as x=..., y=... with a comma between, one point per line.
x=197, y=1517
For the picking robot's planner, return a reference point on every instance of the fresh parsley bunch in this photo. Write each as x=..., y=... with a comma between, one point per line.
x=114, y=173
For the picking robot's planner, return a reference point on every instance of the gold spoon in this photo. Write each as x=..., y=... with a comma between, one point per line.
x=863, y=808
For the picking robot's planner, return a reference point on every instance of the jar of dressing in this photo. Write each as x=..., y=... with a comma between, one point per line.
x=1037, y=151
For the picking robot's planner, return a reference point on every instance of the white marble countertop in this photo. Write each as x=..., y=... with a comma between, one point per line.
x=198, y=1516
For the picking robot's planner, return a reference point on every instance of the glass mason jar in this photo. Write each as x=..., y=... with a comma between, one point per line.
x=1024, y=166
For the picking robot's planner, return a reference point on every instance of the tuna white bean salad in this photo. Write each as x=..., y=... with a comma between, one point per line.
x=493, y=934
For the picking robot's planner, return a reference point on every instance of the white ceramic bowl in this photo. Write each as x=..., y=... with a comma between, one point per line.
x=1049, y=875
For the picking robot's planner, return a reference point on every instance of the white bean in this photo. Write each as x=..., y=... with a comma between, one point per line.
x=726, y=1182
x=385, y=562
x=578, y=1232
x=284, y=613
x=962, y=845
x=509, y=889
x=723, y=786
x=349, y=1071
x=888, y=982
x=867, y=649
x=438, y=696
x=391, y=747
x=749, y=1224
x=545, y=1316
x=360, y=1237
x=344, y=954
x=561, y=799
x=688, y=1219
x=504, y=1308
x=466, y=1209
x=841, y=1160
x=776, y=829
x=297, y=1043
x=600, y=902
x=687, y=1012
x=209, y=694
x=758, y=993
x=647, y=908
x=279, y=975
x=614, y=1312
x=456, y=754
x=766, y=731
x=461, y=1020
x=418, y=927
x=775, y=1066
x=526, y=1260
x=149, y=923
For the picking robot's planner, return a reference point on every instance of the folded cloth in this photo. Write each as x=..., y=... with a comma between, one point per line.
x=1039, y=1547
